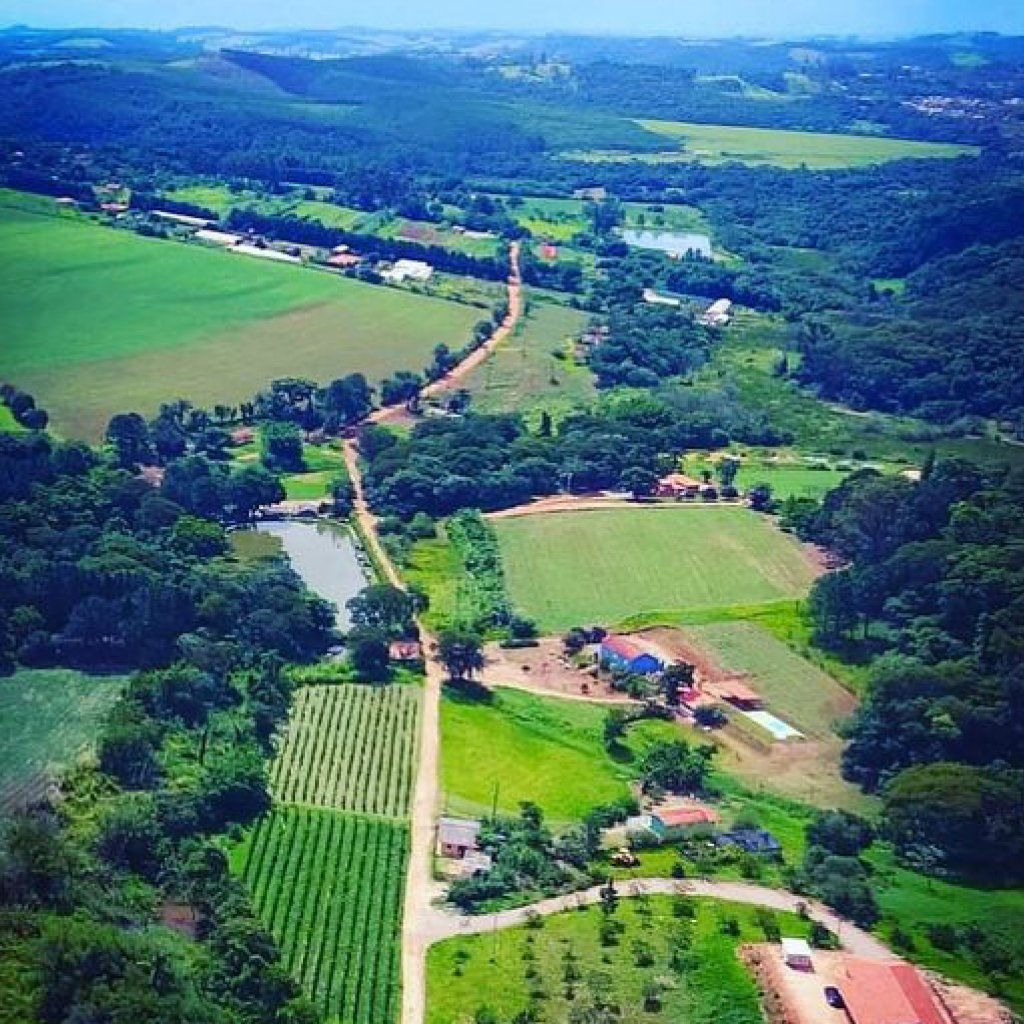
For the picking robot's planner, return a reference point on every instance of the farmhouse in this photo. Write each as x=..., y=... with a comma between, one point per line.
x=887, y=993
x=678, y=485
x=740, y=695
x=408, y=270
x=405, y=651
x=624, y=654
x=668, y=823
x=595, y=193
x=344, y=260
x=457, y=837
x=718, y=314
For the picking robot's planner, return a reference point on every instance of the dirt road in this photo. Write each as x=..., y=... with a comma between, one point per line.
x=479, y=355
x=569, y=503
x=441, y=924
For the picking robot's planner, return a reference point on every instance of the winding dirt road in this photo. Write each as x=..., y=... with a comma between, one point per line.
x=441, y=924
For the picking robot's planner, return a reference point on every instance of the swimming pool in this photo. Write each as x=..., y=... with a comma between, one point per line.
x=776, y=726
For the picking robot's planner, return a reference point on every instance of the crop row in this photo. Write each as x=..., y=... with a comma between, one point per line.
x=328, y=885
x=349, y=748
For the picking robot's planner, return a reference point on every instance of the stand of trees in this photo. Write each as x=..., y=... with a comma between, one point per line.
x=935, y=587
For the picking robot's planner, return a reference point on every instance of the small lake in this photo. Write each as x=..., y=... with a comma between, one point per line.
x=675, y=243
x=324, y=555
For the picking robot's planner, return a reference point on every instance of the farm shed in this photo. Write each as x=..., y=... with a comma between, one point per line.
x=409, y=270
x=718, y=314
x=183, y=218
x=887, y=993
x=217, y=237
x=456, y=837
x=740, y=695
x=751, y=840
x=265, y=254
x=645, y=826
x=797, y=954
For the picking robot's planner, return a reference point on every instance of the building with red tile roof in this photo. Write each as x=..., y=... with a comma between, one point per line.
x=887, y=993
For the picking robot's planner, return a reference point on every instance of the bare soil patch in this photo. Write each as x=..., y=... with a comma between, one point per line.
x=545, y=670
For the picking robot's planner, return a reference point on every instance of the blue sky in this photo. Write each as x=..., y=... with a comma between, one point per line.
x=678, y=17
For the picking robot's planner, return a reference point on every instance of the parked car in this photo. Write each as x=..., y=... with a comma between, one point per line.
x=834, y=997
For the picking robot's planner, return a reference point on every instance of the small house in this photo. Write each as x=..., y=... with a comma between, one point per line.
x=623, y=654
x=409, y=270
x=456, y=837
x=693, y=819
x=678, y=486
x=718, y=314
x=645, y=827
x=405, y=651
x=797, y=954
x=472, y=865
x=756, y=841
x=549, y=252
x=741, y=696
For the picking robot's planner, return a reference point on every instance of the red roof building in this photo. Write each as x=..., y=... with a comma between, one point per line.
x=887, y=993
x=687, y=817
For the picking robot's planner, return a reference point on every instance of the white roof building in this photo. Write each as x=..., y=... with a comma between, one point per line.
x=183, y=218
x=718, y=314
x=265, y=254
x=796, y=952
x=217, y=237
x=408, y=270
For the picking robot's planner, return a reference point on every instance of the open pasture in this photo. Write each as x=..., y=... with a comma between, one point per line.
x=568, y=568
x=50, y=716
x=523, y=372
x=691, y=963
x=349, y=747
x=516, y=746
x=100, y=321
x=328, y=886
x=719, y=143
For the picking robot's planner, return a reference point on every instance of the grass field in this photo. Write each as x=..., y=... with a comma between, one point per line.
x=569, y=568
x=557, y=967
x=329, y=888
x=349, y=748
x=794, y=689
x=716, y=143
x=517, y=747
x=50, y=716
x=524, y=375
x=8, y=424
x=100, y=321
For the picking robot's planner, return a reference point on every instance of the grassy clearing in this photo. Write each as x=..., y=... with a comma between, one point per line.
x=534, y=370
x=328, y=886
x=794, y=689
x=50, y=717
x=249, y=546
x=349, y=747
x=914, y=903
x=744, y=360
x=325, y=463
x=101, y=321
x=716, y=143
x=517, y=746
x=516, y=968
x=569, y=568
x=8, y=424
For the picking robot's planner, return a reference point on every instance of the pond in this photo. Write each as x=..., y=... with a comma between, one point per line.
x=675, y=243
x=324, y=555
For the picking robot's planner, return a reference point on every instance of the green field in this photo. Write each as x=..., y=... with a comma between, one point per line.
x=8, y=424
x=517, y=746
x=794, y=689
x=50, y=717
x=100, y=321
x=523, y=373
x=716, y=143
x=565, y=569
x=328, y=886
x=350, y=748
x=557, y=967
